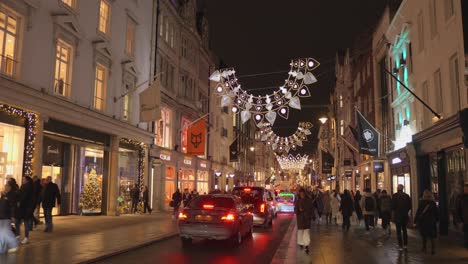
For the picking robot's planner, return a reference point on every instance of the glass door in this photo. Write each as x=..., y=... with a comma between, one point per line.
x=56, y=173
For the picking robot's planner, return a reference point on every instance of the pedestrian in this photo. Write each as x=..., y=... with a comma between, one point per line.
x=135, y=196
x=37, y=189
x=8, y=242
x=50, y=197
x=25, y=208
x=377, y=210
x=335, y=206
x=327, y=210
x=368, y=206
x=462, y=209
x=146, y=200
x=186, y=197
x=426, y=219
x=176, y=200
x=357, y=206
x=401, y=205
x=317, y=205
x=385, y=211
x=303, y=209
x=347, y=209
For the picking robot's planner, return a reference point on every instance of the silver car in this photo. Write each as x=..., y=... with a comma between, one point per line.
x=215, y=216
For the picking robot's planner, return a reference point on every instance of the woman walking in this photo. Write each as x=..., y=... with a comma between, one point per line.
x=426, y=219
x=357, y=206
x=347, y=209
x=303, y=210
x=335, y=205
x=327, y=210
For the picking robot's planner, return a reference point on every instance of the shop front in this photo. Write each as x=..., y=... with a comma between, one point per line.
x=187, y=174
x=76, y=158
x=168, y=177
x=202, y=177
x=441, y=162
x=400, y=170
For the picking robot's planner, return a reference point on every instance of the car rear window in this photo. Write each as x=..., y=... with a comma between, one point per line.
x=249, y=195
x=287, y=197
x=217, y=202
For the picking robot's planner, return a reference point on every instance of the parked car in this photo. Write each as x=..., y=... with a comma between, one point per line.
x=285, y=202
x=258, y=200
x=215, y=216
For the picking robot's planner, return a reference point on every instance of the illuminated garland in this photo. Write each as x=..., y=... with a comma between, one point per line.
x=292, y=163
x=270, y=105
x=140, y=146
x=284, y=144
x=31, y=131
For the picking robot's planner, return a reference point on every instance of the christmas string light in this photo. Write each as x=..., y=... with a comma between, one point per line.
x=140, y=146
x=284, y=144
x=292, y=163
x=31, y=132
x=271, y=105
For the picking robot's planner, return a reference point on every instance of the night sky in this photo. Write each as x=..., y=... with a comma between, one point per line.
x=259, y=36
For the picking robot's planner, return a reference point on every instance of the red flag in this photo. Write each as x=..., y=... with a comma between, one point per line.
x=196, y=138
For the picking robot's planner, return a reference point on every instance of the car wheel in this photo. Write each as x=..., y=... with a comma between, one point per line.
x=237, y=238
x=186, y=242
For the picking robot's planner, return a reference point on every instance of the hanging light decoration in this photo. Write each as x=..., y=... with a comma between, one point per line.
x=271, y=105
x=284, y=144
x=291, y=162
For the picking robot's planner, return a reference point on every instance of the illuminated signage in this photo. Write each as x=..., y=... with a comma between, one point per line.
x=164, y=156
x=187, y=161
x=396, y=160
x=202, y=165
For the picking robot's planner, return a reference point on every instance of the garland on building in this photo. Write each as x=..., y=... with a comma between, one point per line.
x=140, y=146
x=31, y=131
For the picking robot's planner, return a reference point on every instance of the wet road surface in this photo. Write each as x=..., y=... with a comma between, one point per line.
x=259, y=249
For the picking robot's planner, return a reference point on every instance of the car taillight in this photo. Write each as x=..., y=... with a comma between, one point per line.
x=182, y=216
x=229, y=217
x=262, y=208
x=208, y=206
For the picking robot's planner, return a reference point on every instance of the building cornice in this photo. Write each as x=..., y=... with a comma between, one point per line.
x=442, y=126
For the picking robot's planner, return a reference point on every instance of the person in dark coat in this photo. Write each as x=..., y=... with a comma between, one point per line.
x=135, y=196
x=357, y=206
x=8, y=242
x=303, y=209
x=385, y=211
x=401, y=205
x=377, y=211
x=50, y=196
x=462, y=209
x=426, y=219
x=347, y=209
x=176, y=200
x=37, y=189
x=146, y=200
x=186, y=197
x=317, y=205
x=25, y=208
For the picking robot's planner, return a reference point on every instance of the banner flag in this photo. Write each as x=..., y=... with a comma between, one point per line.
x=368, y=137
x=196, y=138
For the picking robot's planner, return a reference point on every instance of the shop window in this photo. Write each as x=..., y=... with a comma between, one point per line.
x=63, y=68
x=91, y=167
x=130, y=38
x=128, y=177
x=184, y=125
x=100, y=87
x=104, y=17
x=455, y=167
x=169, y=185
x=11, y=153
x=9, y=23
x=403, y=179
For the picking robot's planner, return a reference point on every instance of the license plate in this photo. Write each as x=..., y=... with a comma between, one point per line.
x=203, y=218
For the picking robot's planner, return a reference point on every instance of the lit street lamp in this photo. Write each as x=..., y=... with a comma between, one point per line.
x=252, y=148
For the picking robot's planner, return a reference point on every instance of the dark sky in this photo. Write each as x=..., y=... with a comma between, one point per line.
x=258, y=36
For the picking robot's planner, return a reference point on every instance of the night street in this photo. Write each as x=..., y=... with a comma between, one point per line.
x=259, y=249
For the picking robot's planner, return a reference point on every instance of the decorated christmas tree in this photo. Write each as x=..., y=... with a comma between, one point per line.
x=91, y=196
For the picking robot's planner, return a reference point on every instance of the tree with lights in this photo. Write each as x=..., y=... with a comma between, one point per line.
x=91, y=197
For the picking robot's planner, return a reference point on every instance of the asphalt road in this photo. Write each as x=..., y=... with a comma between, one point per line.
x=259, y=249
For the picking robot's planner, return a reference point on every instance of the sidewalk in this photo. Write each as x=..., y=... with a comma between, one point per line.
x=329, y=244
x=78, y=239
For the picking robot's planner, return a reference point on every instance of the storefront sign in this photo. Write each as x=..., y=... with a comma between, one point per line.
x=52, y=152
x=378, y=166
x=165, y=157
x=202, y=165
x=187, y=161
x=396, y=160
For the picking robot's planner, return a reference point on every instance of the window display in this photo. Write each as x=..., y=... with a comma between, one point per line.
x=170, y=185
x=402, y=179
x=11, y=153
x=91, y=164
x=128, y=177
x=202, y=182
x=186, y=180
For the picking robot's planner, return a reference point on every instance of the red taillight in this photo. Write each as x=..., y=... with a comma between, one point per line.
x=262, y=208
x=208, y=206
x=182, y=216
x=247, y=189
x=229, y=217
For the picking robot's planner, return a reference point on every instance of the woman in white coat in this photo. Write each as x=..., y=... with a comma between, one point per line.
x=335, y=205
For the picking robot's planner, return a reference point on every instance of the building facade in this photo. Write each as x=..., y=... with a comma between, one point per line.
x=69, y=98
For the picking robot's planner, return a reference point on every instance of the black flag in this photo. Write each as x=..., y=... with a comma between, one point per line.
x=369, y=137
x=234, y=152
x=327, y=162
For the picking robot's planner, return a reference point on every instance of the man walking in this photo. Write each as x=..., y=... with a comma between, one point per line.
x=401, y=205
x=369, y=206
x=135, y=195
x=463, y=212
x=50, y=196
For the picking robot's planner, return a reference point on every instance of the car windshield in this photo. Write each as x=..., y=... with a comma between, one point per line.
x=249, y=195
x=207, y=200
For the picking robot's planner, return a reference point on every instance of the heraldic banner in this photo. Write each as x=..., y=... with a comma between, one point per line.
x=196, y=138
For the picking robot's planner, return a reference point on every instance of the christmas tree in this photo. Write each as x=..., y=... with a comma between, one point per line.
x=91, y=196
